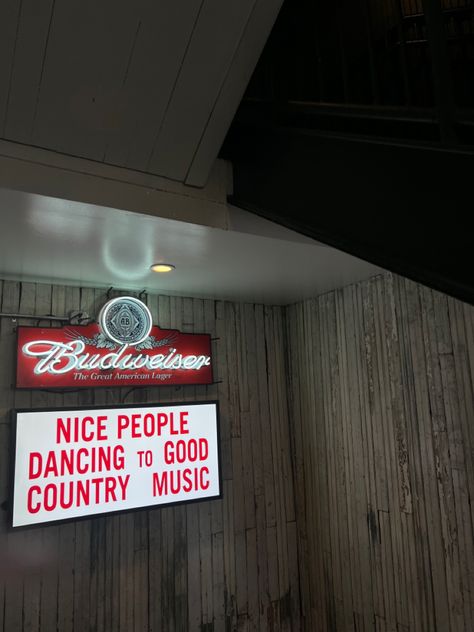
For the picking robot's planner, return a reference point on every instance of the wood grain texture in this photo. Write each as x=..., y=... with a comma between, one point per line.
x=149, y=86
x=381, y=408
x=253, y=38
x=33, y=30
x=211, y=48
x=216, y=566
x=347, y=449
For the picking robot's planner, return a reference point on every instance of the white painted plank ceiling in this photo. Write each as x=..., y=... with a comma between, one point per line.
x=149, y=85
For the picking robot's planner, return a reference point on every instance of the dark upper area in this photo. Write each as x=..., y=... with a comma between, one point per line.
x=357, y=129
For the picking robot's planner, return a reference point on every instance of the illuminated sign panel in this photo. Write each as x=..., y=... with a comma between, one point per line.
x=123, y=349
x=83, y=462
x=82, y=357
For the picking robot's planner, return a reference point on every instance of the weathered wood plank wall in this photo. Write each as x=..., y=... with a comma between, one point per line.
x=380, y=379
x=382, y=416
x=215, y=566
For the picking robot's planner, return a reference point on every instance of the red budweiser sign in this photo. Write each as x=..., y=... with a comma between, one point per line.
x=124, y=349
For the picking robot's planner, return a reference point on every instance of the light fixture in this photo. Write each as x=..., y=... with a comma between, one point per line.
x=162, y=267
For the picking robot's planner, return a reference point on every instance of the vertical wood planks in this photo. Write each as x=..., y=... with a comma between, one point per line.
x=382, y=411
x=12, y=579
x=347, y=471
x=32, y=539
x=229, y=564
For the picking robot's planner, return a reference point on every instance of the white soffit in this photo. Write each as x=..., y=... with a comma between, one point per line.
x=50, y=240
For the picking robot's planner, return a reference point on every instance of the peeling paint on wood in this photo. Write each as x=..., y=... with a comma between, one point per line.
x=380, y=379
x=222, y=566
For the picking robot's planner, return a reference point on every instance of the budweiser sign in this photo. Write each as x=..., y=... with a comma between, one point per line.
x=123, y=349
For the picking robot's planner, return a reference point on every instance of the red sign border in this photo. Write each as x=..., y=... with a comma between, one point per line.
x=39, y=525
x=73, y=389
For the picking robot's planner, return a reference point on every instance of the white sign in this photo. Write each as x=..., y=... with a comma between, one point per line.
x=74, y=463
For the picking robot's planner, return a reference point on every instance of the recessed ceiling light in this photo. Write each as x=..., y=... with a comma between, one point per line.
x=162, y=267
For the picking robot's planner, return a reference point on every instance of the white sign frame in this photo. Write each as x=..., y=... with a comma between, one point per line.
x=205, y=425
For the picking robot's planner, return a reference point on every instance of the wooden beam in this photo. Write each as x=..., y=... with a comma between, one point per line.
x=35, y=170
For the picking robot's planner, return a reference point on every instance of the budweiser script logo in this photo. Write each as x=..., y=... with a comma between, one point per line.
x=118, y=349
x=58, y=358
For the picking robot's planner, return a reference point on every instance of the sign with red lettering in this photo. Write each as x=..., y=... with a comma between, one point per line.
x=71, y=463
x=83, y=357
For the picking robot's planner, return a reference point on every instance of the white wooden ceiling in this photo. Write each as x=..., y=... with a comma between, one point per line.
x=149, y=85
x=50, y=240
x=112, y=112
